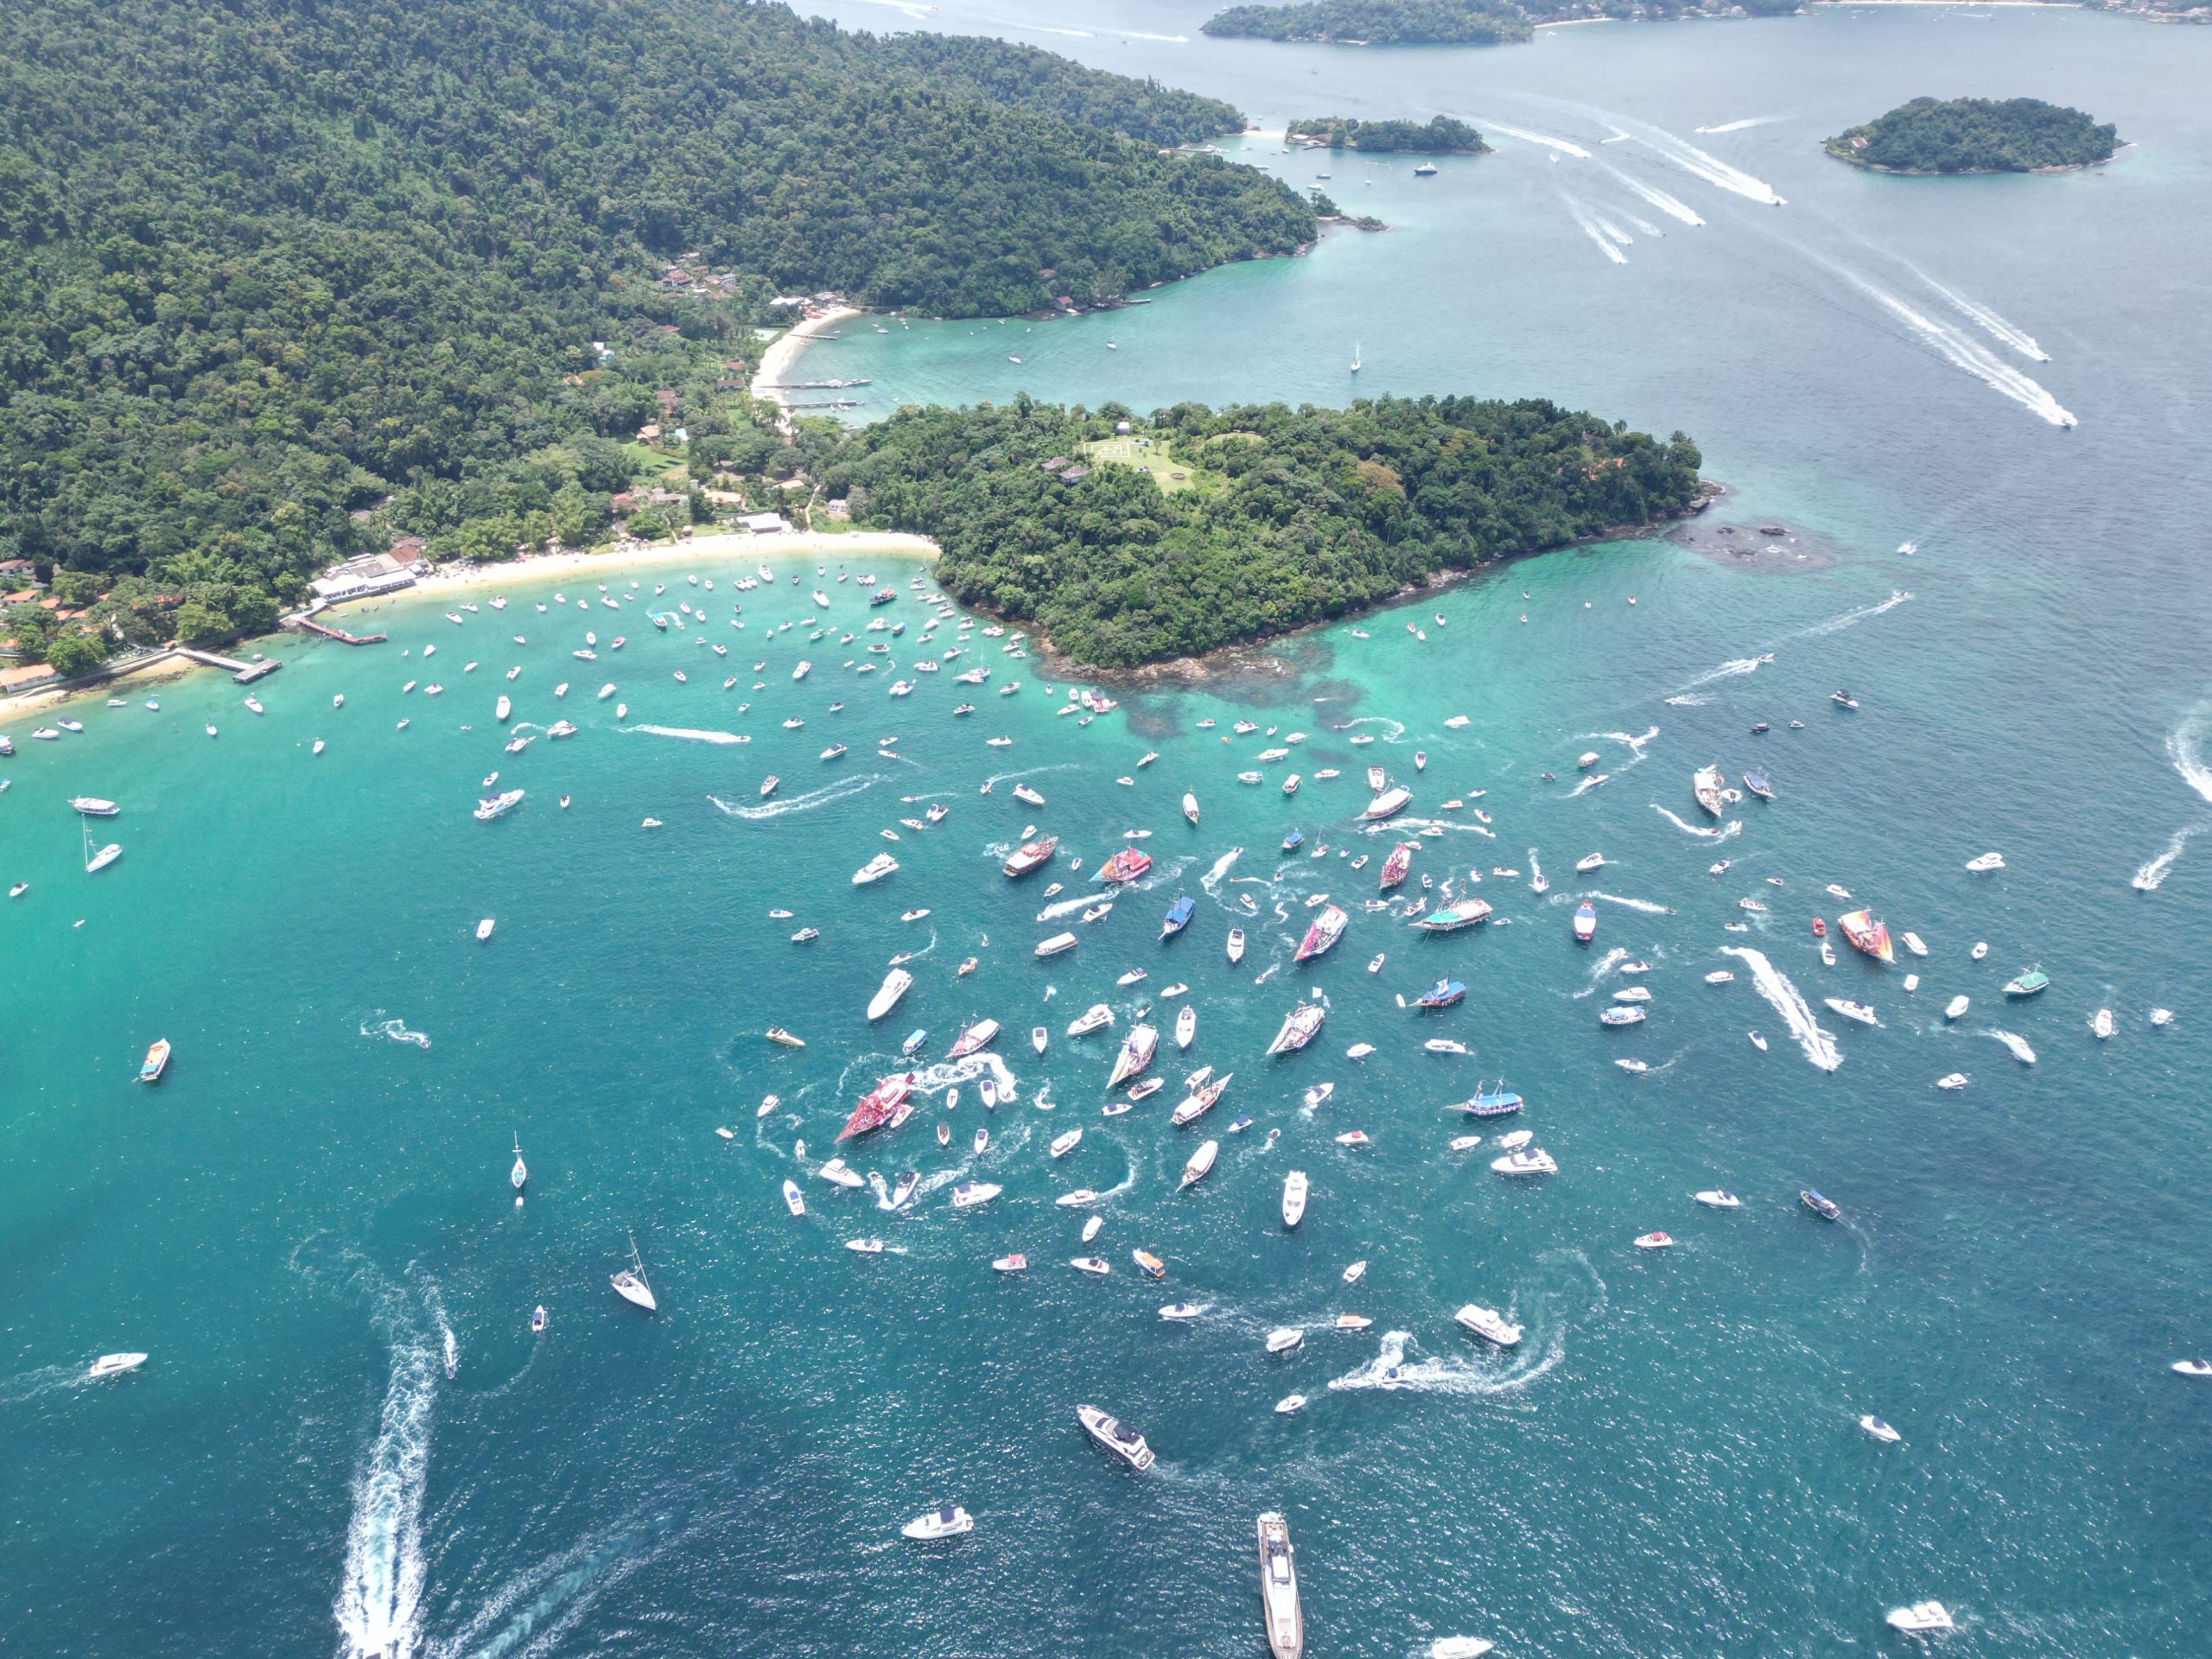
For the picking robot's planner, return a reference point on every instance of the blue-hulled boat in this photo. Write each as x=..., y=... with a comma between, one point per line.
x=1178, y=916
x=1826, y=1208
x=914, y=1044
x=1756, y=782
x=1442, y=994
x=1293, y=841
x=1498, y=1101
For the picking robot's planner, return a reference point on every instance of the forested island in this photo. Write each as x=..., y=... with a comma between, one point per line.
x=1976, y=135
x=282, y=279
x=1439, y=136
x=1377, y=22
x=1202, y=528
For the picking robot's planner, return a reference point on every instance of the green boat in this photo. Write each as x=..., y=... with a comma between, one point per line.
x=2029, y=983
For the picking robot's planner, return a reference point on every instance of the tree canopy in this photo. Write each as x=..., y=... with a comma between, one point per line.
x=269, y=262
x=1281, y=517
x=1439, y=135
x=1378, y=23
x=1977, y=135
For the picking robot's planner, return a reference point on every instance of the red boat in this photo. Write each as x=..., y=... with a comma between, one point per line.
x=1028, y=858
x=1125, y=865
x=1820, y=928
x=1327, y=929
x=1865, y=932
x=878, y=1106
x=1395, y=865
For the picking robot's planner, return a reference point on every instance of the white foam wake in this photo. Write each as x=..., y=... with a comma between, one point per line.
x=1643, y=905
x=2152, y=875
x=2183, y=748
x=2018, y=339
x=1634, y=744
x=1210, y=881
x=1730, y=669
x=690, y=735
x=1698, y=829
x=394, y=1029
x=1748, y=121
x=1389, y=1371
x=1963, y=353
x=1594, y=230
x=806, y=803
x=1529, y=137
x=1673, y=206
x=1852, y=618
x=1789, y=1002
x=1611, y=229
x=380, y=1597
x=1644, y=224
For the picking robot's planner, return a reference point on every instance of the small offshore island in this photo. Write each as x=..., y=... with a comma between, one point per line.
x=1376, y=22
x=1930, y=137
x=1439, y=136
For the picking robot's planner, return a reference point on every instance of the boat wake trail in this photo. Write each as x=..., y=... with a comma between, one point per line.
x=1388, y=1371
x=1398, y=727
x=828, y=794
x=529, y=1613
x=1599, y=969
x=1789, y=1002
x=1527, y=137
x=1594, y=230
x=1730, y=669
x=1852, y=618
x=2018, y=339
x=47, y=1379
x=690, y=735
x=1963, y=353
x=1748, y=121
x=379, y=1603
x=2184, y=748
x=1731, y=827
x=1656, y=198
x=394, y=1029
x=1634, y=745
x=1643, y=905
x=1703, y=164
x=1210, y=881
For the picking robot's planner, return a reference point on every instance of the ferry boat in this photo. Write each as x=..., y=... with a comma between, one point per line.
x=1464, y=913
x=1488, y=1323
x=1300, y=1027
x=878, y=1106
x=1328, y=927
x=1495, y=1101
x=1128, y=865
x=1395, y=865
x=1826, y=1208
x=1757, y=783
x=896, y=983
x=1442, y=994
x=1631, y=1014
x=157, y=1061
x=1137, y=1050
x=2031, y=983
x=498, y=806
x=1585, y=922
x=874, y=870
x=1032, y=856
x=1056, y=943
x=1388, y=804
x=1279, y=1589
x=1864, y=933
x=92, y=806
x=1705, y=784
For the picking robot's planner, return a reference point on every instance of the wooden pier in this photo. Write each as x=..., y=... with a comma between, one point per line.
x=243, y=673
x=339, y=634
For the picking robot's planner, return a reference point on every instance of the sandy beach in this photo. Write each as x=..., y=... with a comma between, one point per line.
x=513, y=573
x=782, y=357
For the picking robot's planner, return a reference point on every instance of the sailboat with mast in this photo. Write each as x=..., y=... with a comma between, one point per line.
x=518, y=1177
x=1355, y=357
x=105, y=857
x=629, y=1284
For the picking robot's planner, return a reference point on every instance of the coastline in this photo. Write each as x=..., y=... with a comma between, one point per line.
x=783, y=353
x=163, y=666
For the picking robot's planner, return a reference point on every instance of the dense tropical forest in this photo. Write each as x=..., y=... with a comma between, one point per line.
x=1439, y=135
x=269, y=262
x=1206, y=528
x=1976, y=135
x=1377, y=22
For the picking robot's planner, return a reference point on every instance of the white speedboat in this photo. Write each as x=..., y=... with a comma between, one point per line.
x=895, y=985
x=1858, y=1012
x=1064, y=1144
x=1284, y=1339
x=951, y=1521
x=908, y=1180
x=1295, y=1189
x=1093, y=1018
x=1956, y=1007
x=1095, y=1266
x=1116, y=1437
x=2101, y=1024
x=1039, y=1037
x=1527, y=1160
x=794, y=1200
x=1488, y=1323
x=518, y=1176
x=865, y=1246
x=1178, y=1312
x=969, y=1194
x=1985, y=862
x=1719, y=1198
x=1289, y=1403
x=838, y=1172
x=1920, y=1619
x=1880, y=1430
x=109, y=1365
x=1953, y=1081
x=874, y=870
x=2191, y=1368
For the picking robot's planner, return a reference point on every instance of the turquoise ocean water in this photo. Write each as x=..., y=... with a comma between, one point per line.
x=296, y=1222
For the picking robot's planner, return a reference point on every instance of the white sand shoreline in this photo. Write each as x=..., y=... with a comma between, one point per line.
x=783, y=355
x=515, y=573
